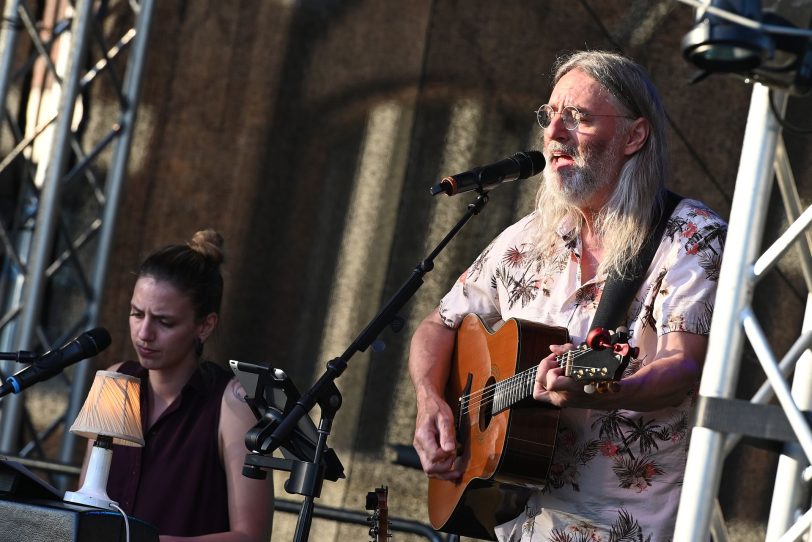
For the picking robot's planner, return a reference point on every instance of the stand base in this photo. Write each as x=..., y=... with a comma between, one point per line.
x=77, y=497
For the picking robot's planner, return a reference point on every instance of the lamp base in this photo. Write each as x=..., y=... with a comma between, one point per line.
x=94, y=490
x=78, y=497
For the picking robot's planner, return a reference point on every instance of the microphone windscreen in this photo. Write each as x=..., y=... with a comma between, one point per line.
x=100, y=339
x=530, y=163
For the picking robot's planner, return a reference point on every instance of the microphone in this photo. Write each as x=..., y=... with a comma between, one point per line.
x=51, y=363
x=519, y=166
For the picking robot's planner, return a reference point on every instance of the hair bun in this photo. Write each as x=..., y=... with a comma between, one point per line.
x=209, y=244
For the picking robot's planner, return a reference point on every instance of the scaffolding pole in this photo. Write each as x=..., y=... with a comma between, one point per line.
x=115, y=182
x=40, y=240
x=734, y=321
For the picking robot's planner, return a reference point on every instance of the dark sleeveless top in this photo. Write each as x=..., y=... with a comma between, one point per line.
x=176, y=481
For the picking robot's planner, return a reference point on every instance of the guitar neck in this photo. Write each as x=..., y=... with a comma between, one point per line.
x=598, y=362
x=519, y=387
x=513, y=390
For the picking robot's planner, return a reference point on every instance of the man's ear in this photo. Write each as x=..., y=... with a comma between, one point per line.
x=637, y=136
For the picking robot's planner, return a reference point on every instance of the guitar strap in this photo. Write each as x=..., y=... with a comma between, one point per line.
x=618, y=292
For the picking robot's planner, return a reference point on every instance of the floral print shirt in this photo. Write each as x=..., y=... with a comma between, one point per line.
x=616, y=475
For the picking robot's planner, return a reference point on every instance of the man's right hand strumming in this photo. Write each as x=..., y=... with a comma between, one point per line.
x=435, y=439
x=429, y=364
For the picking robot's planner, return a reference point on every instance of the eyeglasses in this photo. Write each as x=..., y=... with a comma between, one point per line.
x=570, y=116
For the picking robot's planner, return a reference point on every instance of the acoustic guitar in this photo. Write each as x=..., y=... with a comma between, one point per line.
x=505, y=438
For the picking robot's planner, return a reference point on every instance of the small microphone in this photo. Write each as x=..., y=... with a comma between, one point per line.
x=51, y=363
x=482, y=179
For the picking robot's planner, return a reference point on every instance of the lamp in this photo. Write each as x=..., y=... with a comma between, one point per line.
x=111, y=414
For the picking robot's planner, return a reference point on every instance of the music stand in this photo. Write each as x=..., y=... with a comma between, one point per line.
x=17, y=481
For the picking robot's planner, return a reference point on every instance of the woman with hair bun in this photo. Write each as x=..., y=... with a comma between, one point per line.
x=187, y=480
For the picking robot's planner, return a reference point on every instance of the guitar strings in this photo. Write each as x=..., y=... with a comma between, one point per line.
x=518, y=382
x=562, y=359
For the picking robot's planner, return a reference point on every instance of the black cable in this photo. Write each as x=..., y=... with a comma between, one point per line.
x=13, y=23
x=785, y=124
x=597, y=20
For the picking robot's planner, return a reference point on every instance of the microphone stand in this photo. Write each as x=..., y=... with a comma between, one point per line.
x=21, y=356
x=326, y=394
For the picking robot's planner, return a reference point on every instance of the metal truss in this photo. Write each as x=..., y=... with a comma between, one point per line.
x=722, y=419
x=63, y=65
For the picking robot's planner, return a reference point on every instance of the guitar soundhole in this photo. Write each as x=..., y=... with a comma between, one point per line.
x=486, y=405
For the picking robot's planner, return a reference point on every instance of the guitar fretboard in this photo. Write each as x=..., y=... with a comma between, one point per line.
x=519, y=387
x=510, y=391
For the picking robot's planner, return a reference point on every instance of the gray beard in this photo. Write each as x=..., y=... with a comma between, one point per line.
x=579, y=183
x=576, y=186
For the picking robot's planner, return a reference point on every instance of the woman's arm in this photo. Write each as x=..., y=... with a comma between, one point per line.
x=250, y=501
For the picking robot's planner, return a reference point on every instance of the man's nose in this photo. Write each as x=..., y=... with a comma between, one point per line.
x=556, y=131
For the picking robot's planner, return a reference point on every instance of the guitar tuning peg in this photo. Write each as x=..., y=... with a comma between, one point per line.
x=598, y=338
x=610, y=386
x=621, y=335
x=589, y=388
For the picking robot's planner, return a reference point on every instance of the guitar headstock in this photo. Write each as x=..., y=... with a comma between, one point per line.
x=379, y=519
x=600, y=361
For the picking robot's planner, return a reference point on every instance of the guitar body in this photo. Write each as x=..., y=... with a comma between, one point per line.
x=503, y=454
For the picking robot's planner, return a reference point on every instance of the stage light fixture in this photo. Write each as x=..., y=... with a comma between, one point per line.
x=772, y=48
x=716, y=44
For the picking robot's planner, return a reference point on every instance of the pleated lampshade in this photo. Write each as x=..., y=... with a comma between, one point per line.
x=112, y=409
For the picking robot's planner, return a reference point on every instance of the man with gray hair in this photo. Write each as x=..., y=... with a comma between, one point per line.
x=619, y=457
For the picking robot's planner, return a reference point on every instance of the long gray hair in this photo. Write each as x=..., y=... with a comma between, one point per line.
x=625, y=221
